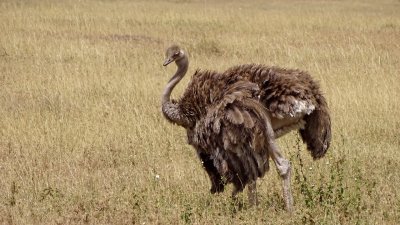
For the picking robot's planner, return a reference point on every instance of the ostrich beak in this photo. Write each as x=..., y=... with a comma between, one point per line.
x=168, y=61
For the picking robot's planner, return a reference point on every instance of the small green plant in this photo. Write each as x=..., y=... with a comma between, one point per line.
x=49, y=192
x=186, y=215
x=13, y=191
x=334, y=195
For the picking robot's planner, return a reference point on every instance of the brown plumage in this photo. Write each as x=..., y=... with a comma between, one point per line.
x=288, y=94
x=232, y=133
x=232, y=119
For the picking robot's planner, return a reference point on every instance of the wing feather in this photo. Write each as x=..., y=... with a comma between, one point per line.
x=234, y=116
x=233, y=133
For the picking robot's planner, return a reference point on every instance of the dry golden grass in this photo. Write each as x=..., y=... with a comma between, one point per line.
x=82, y=139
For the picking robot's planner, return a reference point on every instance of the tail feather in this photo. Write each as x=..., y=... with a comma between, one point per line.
x=317, y=131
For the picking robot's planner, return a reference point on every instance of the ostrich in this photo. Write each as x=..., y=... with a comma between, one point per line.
x=233, y=119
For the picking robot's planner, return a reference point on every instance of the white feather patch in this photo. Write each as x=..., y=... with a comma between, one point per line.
x=301, y=107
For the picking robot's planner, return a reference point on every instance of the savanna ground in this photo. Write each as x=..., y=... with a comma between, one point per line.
x=82, y=139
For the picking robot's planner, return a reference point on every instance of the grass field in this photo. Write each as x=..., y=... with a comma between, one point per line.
x=83, y=141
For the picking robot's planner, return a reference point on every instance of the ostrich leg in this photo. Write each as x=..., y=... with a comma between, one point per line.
x=282, y=165
x=284, y=169
x=252, y=193
x=217, y=185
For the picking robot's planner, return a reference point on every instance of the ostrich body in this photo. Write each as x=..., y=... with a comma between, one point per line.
x=233, y=118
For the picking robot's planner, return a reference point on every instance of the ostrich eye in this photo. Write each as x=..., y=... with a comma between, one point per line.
x=176, y=53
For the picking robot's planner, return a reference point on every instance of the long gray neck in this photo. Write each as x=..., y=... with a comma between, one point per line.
x=171, y=110
x=183, y=65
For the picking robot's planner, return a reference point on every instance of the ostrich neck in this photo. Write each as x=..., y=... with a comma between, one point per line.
x=171, y=110
x=182, y=65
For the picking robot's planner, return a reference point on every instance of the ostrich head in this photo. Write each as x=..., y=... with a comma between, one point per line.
x=174, y=53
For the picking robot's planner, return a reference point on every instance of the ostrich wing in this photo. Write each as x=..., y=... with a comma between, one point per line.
x=233, y=133
x=286, y=93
